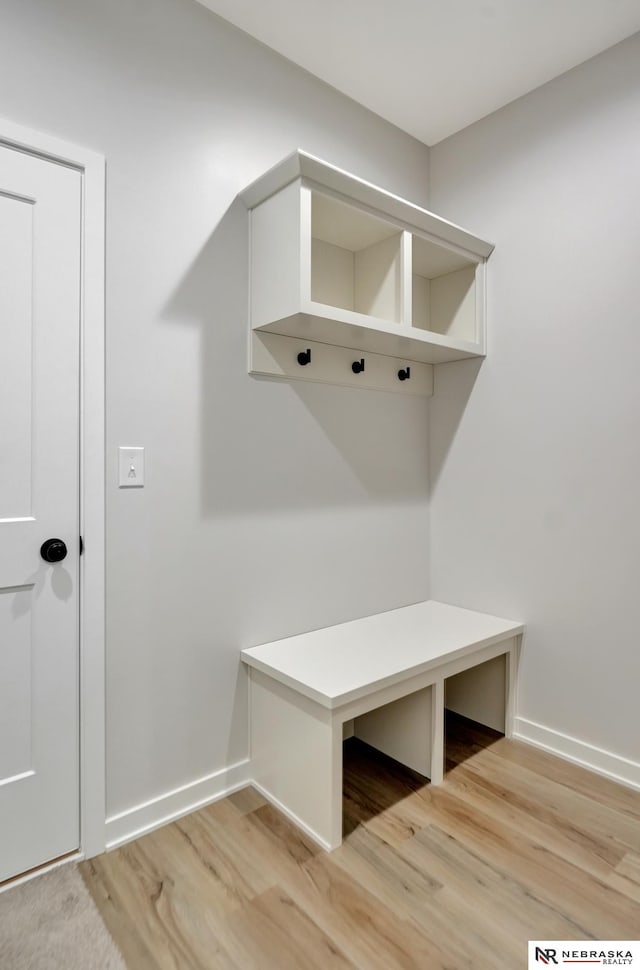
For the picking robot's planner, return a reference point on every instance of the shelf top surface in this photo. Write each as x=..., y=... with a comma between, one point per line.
x=301, y=164
x=344, y=662
x=338, y=327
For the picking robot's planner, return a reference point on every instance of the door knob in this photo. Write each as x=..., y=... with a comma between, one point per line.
x=53, y=550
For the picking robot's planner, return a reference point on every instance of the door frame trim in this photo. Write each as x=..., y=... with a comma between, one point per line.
x=91, y=166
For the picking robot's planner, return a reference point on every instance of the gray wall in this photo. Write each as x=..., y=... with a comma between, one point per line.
x=535, y=455
x=270, y=508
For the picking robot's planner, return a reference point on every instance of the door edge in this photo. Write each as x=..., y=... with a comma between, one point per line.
x=92, y=168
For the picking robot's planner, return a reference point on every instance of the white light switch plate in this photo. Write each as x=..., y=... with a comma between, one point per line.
x=131, y=467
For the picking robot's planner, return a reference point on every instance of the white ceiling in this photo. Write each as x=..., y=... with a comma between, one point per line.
x=433, y=67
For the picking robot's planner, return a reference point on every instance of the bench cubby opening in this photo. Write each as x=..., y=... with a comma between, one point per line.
x=401, y=730
x=480, y=693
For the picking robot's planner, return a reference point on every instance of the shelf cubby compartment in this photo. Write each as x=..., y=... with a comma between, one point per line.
x=356, y=260
x=445, y=294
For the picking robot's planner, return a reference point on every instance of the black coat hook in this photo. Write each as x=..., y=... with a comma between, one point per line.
x=304, y=357
x=404, y=374
x=358, y=366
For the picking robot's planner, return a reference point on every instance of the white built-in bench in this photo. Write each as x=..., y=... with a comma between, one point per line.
x=385, y=673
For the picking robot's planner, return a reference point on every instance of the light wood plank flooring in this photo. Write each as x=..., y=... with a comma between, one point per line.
x=515, y=845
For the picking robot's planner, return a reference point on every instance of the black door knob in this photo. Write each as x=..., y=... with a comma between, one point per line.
x=53, y=550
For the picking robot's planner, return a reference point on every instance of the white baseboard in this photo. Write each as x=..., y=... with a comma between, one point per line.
x=150, y=815
x=165, y=808
x=622, y=770
x=290, y=815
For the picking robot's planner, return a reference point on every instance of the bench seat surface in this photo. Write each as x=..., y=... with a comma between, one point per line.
x=342, y=663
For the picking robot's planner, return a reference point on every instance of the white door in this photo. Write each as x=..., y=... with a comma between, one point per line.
x=40, y=209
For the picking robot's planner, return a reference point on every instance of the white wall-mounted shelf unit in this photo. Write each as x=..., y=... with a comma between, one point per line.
x=339, y=262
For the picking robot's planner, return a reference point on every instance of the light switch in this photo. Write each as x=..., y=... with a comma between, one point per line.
x=131, y=467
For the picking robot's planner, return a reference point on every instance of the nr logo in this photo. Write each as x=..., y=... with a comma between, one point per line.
x=545, y=956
